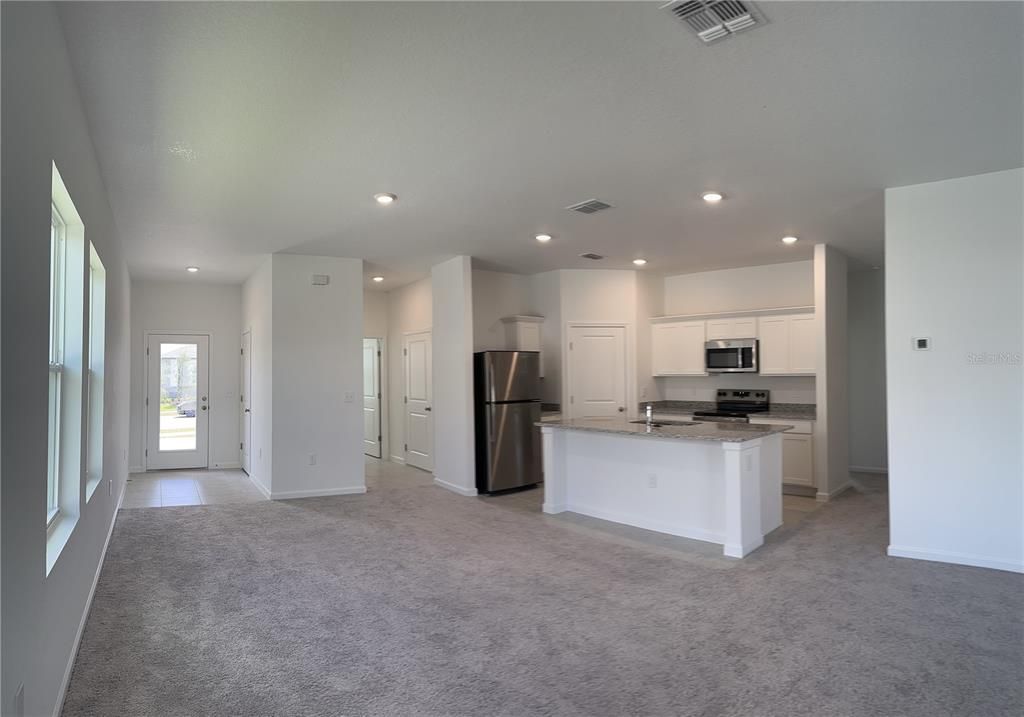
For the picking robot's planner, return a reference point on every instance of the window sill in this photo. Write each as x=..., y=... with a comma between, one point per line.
x=57, y=537
x=90, y=487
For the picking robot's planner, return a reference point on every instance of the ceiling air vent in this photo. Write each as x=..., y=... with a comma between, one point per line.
x=591, y=255
x=590, y=206
x=714, y=20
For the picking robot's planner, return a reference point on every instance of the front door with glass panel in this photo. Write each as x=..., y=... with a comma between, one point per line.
x=177, y=401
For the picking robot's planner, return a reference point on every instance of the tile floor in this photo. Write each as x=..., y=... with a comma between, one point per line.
x=163, y=489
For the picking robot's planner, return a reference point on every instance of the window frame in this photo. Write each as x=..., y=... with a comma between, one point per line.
x=58, y=268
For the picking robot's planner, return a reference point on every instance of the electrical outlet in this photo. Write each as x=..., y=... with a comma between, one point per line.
x=652, y=480
x=350, y=396
x=312, y=459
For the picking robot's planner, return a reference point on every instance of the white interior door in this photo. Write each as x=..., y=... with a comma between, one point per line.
x=177, y=401
x=371, y=398
x=419, y=424
x=246, y=400
x=597, y=371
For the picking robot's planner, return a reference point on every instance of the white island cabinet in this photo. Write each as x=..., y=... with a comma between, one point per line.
x=718, y=482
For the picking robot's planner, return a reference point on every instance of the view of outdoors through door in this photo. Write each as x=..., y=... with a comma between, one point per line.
x=177, y=401
x=178, y=396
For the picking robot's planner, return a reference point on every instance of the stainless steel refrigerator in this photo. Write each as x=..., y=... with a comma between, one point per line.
x=507, y=408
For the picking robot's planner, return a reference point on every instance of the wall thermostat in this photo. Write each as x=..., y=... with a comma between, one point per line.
x=922, y=343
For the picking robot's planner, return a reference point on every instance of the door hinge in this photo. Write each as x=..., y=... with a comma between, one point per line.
x=147, y=453
x=406, y=446
x=241, y=446
x=572, y=399
x=405, y=399
x=405, y=352
x=570, y=345
x=378, y=354
x=241, y=352
x=380, y=438
x=241, y=399
x=378, y=396
x=147, y=351
x=147, y=400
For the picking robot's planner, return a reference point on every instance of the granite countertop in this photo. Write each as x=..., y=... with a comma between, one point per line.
x=791, y=411
x=701, y=431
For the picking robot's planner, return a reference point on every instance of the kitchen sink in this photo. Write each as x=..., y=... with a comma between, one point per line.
x=662, y=424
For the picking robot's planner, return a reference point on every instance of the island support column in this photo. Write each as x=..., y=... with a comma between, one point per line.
x=555, y=499
x=743, y=533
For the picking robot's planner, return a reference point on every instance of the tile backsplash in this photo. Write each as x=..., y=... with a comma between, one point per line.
x=785, y=389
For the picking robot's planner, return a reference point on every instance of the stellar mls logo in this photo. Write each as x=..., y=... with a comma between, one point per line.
x=1005, y=358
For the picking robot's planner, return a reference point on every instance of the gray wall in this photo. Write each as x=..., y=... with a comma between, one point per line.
x=43, y=122
x=866, y=366
x=953, y=258
x=200, y=308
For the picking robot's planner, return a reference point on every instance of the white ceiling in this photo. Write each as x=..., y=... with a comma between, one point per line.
x=488, y=119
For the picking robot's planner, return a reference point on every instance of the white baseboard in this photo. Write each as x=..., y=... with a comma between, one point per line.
x=136, y=469
x=641, y=521
x=88, y=606
x=259, y=486
x=226, y=466
x=398, y=459
x=822, y=497
x=943, y=556
x=317, y=492
x=468, y=492
x=868, y=469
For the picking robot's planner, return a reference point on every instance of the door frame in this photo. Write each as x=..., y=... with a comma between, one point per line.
x=145, y=388
x=629, y=380
x=245, y=395
x=405, y=392
x=383, y=409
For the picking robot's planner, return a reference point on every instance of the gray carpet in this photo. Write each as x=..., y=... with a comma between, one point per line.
x=414, y=601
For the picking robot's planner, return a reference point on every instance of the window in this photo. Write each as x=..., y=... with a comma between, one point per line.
x=94, y=375
x=71, y=267
x=58, y=230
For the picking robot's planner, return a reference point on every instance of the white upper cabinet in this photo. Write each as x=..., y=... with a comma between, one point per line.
x=740, y=327
x=788, y=344
x=677, y=348
x=523, y=333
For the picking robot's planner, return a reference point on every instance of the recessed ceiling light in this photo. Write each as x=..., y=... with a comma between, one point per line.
x=543, y=238
x=712, y=197
x=191, y=269
x=639, y=262
x=378, y=279
x=789, y=240
x=385, y=198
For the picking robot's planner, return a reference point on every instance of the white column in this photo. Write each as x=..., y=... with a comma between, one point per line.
x=555, y=497
x=743, y=532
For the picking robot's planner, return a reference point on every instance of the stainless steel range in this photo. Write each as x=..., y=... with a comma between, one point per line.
x=736, y=405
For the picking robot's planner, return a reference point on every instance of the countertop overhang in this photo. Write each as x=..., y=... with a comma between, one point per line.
x=702, y=431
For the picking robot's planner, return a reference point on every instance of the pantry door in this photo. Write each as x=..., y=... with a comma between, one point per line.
x=177, y=401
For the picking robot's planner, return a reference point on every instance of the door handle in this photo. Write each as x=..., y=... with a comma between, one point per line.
x=622, y=409
x=428, y=408
x=247, y=410
x=204, y=408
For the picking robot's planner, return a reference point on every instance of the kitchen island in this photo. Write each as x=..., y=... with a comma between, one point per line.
x=718, y=482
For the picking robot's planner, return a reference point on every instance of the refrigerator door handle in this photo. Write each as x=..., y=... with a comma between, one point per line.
x=490, y=424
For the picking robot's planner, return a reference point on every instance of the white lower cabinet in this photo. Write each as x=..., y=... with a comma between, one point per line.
x=798, y=459
x=797, y=451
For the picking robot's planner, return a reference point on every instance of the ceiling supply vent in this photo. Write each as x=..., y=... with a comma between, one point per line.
x=714, y=20
x=591, y=255
x=589, y=207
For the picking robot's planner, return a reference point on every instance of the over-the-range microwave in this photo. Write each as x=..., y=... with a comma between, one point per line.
x=730, y=356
